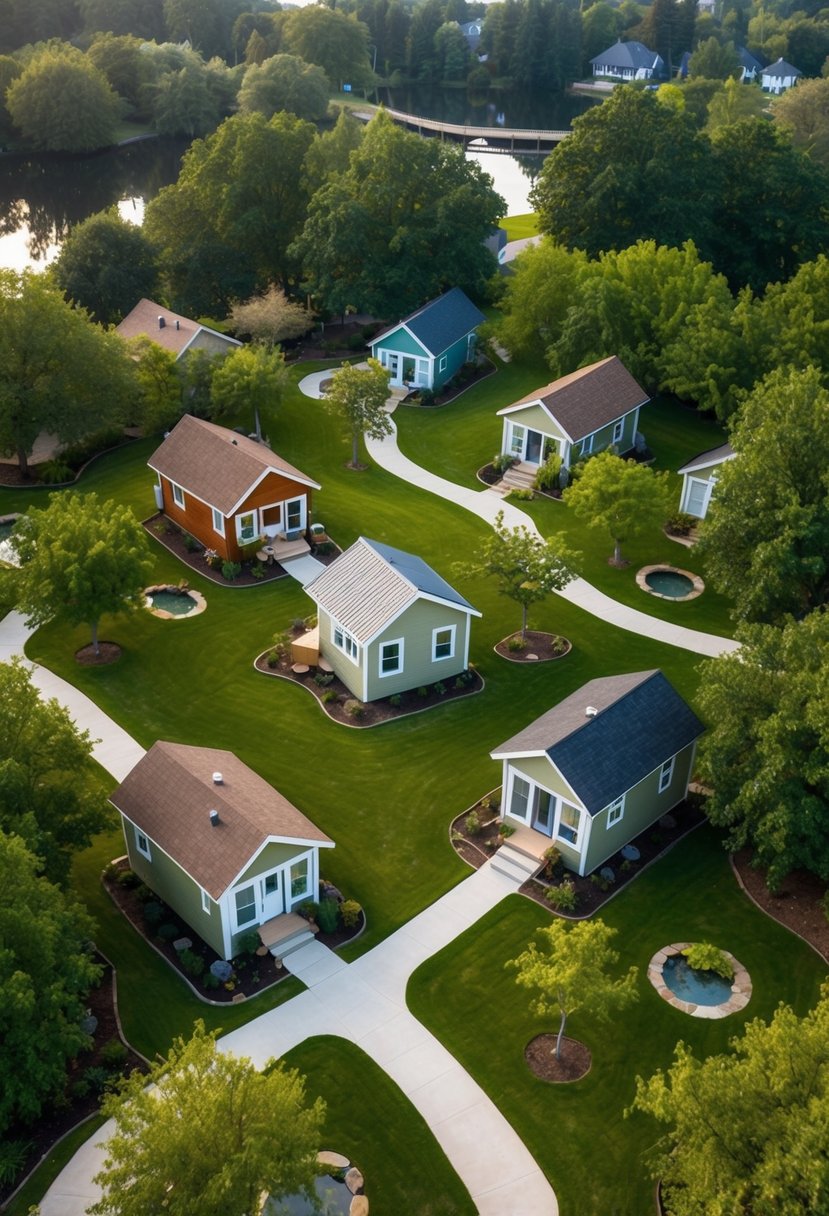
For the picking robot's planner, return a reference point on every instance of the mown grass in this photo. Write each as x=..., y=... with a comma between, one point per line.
x=520, y=226
x=593, y=1154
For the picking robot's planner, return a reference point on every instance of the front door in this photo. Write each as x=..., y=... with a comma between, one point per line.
x=272, y=902
x=544, y=811
x=535, y=441
x=393, y=364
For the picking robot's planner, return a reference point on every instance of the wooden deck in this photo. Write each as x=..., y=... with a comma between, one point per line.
x=281, y=929
x=280, y=550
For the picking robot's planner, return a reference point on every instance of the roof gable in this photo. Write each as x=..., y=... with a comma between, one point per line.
x=175, y=334
x=441, y=322
x=709, y=458
x=627, y=55
x=217, y=465
x=780, y=70
x=587, y=399
x=169, y=795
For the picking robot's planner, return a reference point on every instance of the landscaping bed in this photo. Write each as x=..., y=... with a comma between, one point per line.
x=798, y=903
x=533, y=647
x=465, y=379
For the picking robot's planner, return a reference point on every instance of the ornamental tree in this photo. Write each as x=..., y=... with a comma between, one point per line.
x=527, y=567
x=746, y=1130
x=250, y=376
x=625, y=498
x=358, y=395
x=271, y=317
x=569, y=969
x=209, y=1137
x=81, y=558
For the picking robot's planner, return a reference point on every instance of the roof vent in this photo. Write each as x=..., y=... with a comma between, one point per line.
x=214, y=818
x=590, y=711
x=161, y=322
x=217, y=778
x=178, y=324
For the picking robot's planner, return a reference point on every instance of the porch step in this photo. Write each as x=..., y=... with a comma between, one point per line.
x=285, y=933
x=520, y=476
x=289, y=944
x=515, y=864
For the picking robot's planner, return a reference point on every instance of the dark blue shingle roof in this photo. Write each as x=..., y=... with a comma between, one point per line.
x=441, y=322
x=422, y=576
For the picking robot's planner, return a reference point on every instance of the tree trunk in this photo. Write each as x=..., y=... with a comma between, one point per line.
x=560, y=1034
x=355, y=449
x=23, y=461
x=95, y=646
x=523, y=622
x=257, y=425
x=617, y=553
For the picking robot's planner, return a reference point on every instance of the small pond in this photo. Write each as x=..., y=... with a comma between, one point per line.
x=667, y=582
x=173, y=602
x=696, y=987
x=334, y=1199
x=8, y=553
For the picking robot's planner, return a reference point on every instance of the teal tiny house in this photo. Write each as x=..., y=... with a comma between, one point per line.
x=429, y=347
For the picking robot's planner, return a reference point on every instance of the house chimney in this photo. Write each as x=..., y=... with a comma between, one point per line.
x=217, y=778
x=590, y=711
x=161, y=322
x=214, y=818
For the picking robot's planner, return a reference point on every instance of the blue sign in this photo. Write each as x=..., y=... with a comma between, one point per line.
x=346, y=88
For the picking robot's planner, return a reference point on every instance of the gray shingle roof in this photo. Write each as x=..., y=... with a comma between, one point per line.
x=176, y=332
x=711, y=456
x=370, y=584
x=641, y=722
x=633, y=55
x=217, y=465
x=441, y=322
x=169, y=795
x=780, y=69
x=589, y=398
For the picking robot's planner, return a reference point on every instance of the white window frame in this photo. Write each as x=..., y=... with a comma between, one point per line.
x=615, y=811
x=178, y=494
x=443, y=364
x=666, y=774
x=618, y=430
x=241, y=925
x=586, y=445
x=286, y=512
x=392, y=671
x=144, y=849
x=515, y=776
x=218, y=521
x=306, y=894
x=206, y=902
x=572, y=844
x=343, y=640
x=452, y=631
x=517, y=440
x=247, y=540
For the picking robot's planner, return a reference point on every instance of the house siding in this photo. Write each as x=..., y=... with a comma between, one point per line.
x=415, y=626
x=540, y=770
x=214, y=344
x=179, y=890
x=455, y=358
x=536, y=418
x=400, y=342
x=344, y=669
x=272, y=855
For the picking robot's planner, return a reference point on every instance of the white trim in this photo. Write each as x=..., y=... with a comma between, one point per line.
x=666, y=775
x=308, y=844
x=256, y=533
x=218, y=517
x=345, y=634
x=145, y=851
x=400, y=643
x=418, y=595
x=176, y=489
x=205, y=329
x=234, y=906
x=618, y=425
x=443, y=363
x=689, y=483
x=452, y=630
x=618, y=804
x=206, y=902
x=536, y=401
x=695, y=465
x=300, y=480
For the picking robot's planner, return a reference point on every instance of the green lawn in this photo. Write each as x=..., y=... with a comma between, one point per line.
x=591, y=1153
x=519, y=226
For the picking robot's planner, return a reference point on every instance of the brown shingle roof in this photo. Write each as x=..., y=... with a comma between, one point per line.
x=170, y=793
x=144, y=320
x=217, y=465
x=589, y=398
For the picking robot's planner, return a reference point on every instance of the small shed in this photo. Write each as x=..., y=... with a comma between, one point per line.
x=699, y=478
x=430, y=346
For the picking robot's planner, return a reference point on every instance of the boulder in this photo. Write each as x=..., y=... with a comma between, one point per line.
x=354, y=1180
x=222, y=970
x=631, y=853
x=336, y=1160
x=607, y=874
x=89, y=1024
x=182, y=943
x=359, y=1206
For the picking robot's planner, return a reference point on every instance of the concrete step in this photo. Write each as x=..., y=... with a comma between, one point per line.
x=514, y=864
x=520, y=477
x=289, y=944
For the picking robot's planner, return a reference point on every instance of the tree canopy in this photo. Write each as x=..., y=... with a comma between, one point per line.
x=271, y=317
x=334, y=40
x=623, y=497
x=804, y=113
x=61, y=102
x=358, y=397
x=250, y=377
x=105, y=265
x=210, y=1137
x=46, y=971
x=285, y=82
x=81, y=558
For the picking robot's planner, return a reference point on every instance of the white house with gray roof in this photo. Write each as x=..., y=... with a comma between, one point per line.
x=431, y=345
x=699, y=479
x=779, y=76
x=598, y=768
x=388, y=622
x=628, y=61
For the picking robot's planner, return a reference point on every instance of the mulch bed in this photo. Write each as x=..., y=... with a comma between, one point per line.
x=333, y=343
x=540, y=1056
x=536, y=648
x=60, y=1117
x=168, y=534
x=483, y=371
x=108, y=652
x=797, y=904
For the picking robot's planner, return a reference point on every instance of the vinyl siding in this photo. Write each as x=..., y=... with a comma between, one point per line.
x=272, y=855
x=603, y=437
x=213, y=343
x=415, y=626
x=539, y=769
x=455, y=359
x=400, y=342
x=350, y=673
x=536, y=419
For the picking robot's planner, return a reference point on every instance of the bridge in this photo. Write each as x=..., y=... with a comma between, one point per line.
x=479, y=139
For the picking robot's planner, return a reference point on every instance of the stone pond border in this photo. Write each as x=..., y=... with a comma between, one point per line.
x=174, y=589
x=741, y=987
x=697, y=590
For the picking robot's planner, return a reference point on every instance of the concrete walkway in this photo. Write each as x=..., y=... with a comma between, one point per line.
x=304, y=569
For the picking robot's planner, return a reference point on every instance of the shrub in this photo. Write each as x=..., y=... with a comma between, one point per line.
x=427, y=396
x=77, y=454
x=505, y=830
x=257, y=571
x=210, y=981
x=323, y=548
x=55, y=472
x=272, y=659
x=350, y=911
x=356, y=342
x=231, y=570
x=192, y=963
x=552, y=860
x=503, y=461
x=440, y=688
x=354, y=709
x=114, y=1055
x=144, y=894
x=249, y=942
x=282, y=643
x=110, y=872
x=153, y=913
x=128, y=879
x=472, y=823
x=168, y=932
x=559, y=645
x=522, y=495
x=323, y=678
x=212, y=558
x=95, y=1079
x=328, y=696
x=681, y=523
x=459, y=684
x=395, y=701
x=328, y=915
x=13, y=1155
x=309, y=909
x=702, y=956
x=423, y=691
x=190, y=543
x=517, y=643
x=547, y=476
x=563, y=897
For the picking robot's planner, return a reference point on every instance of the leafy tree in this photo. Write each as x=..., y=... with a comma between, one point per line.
x=527, y=568
x=61, y=102
x=406, y=220
x=45, y=796
x=127, y=68
x=186, y=101
x=765, y=543
x=205, y=24
x=271, y=317
x=58, y=370
x=451, y=52
x=569, y=969
x=105, y=265
x=593, y=194
x=625, y=498
x=208, y=1107
x=330, y=153
x=792, y=321
x=10, y=69
x=81, y=558
x=538, y=295
x=159, y=381
x=766, y=753
x=141, y=18
x=421, y=59
x=733, y=103
x=804, y=113
x=745, y=1131
x=335, y=41
x=714, y=60
x=285, y=82
x=249, y=376
x=46, y=970
x=600, y=29
x=358, y=396
x=668, y=29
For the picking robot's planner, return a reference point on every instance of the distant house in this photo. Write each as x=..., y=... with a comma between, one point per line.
x=779, y=76
x=750, y=65
x=628, y=61
x=699, y=477
x=175, y=333
x=223, y=848
x=228, y=490
x=471, y=31
x=597, y=769
x=428, y=347
x=388, y=622
x=581, y=413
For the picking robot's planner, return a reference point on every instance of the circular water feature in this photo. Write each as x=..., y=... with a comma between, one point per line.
x=8, y=552
x=702, y=994
x=174, y=603
x=333, y=1199
x=696, y=987
x=669, y=583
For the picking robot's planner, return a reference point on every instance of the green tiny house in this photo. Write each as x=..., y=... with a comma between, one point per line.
x=427, y=348
x=600, y=767
x=699, y=479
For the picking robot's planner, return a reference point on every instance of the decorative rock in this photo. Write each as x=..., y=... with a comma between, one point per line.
x=667, y=822
x=300, y=669
x=89, y=1024
x=222, y=970
x=261, y=951
x=182, y=943
x=336, y=1160
x=630, y=852
x=607, y=874
x=329, y=891
x=237, y=998
x=354, y=1180
x=359, y=1206
x=531, y=658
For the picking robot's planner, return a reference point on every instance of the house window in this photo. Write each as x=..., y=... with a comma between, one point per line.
x=519, y=805
x=246, y=529
x=586, y=446
x=293, y=514
x=218, y=522
x=516, y=443
x=299, y=878
x=206, y=902
x=618, y=429
x=443, y=362
x=568, y=828
x=245, y=905
x=178, y=495
x=345, y=642
x=391, y=657
x=666, y=774
x=615, y=811
x=443, y=643
x=143, y=845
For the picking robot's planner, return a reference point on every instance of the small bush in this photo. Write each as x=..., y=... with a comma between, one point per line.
x=423, y=691
x=548, y=473
x=522, y=495
x=110, y=872
x=192, y=963
x=329, y=696
x=282, y=643
x=13, y=1155
x=702, y=956
x=503, y=461
x=231, y=570
x=505, y=830
x=350, y=911
x=427, y=397
x=190, y=543
x=563, y=897
x=249, y=942
x=153, y=913
x=114, y=1055
x=395, y=701
x=323, y=678
x=95, y=1078
x=144, y=893
x=272, y=659
x=129, y=879
x=472, y=823
x=323, y=548
x=459, y=684
x=354, y=709
x=257, y=570
x=309, y=909
x=356, y=342
x=210, y=981
x=440, y=688
x=168, y=932
x=328, y=915
x=681, y=523
x=55, y=472
x=212, y=558
x=552, y=860
x=517, y=644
